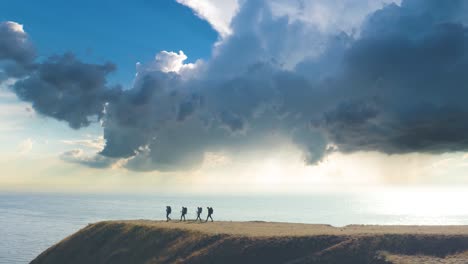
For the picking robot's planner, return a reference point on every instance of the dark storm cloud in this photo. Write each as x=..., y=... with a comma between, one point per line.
x=16, y=51
x=61, y=87
x=398, y=86
x=14, y=44
x=410, y=63
x=135, y=119
x=188, y=106
x=67, y=89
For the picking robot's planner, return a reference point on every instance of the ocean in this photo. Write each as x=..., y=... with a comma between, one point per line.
x=30, y=223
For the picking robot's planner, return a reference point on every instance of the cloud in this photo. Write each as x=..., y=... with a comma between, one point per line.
x=406, y=73
x=217, y=12
x=170, y=62
x=67, y=89
x=397, y=86
x=78, y=156
x=91, y=143
x=326, y=15
x=329, y=15
x=14, y=43
x=16, y=51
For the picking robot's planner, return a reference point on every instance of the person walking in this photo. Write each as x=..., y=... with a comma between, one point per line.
x=210, y=212
x=184, y=212
x=168, y=212
x=199, y=211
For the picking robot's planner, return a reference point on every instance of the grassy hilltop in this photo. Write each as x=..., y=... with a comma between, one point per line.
x=257, y=242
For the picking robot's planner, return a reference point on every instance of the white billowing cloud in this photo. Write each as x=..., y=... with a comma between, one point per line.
x=218, y=13
x=317, y=21
x=169, y=61
x=16, y=27
x=25, y=146
x=327, y=15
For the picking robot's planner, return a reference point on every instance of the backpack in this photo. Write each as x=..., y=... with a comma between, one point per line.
x=168, y=209
x=210, y=210
x=184, y=210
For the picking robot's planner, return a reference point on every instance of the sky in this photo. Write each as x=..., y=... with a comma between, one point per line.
x=233, y=95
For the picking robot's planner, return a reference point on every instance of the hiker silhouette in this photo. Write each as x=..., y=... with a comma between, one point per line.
x=199, y=211
x=210, y=212
x=184, y=212
x=168, y=212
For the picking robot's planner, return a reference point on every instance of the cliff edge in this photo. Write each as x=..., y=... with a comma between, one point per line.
x=257, y=242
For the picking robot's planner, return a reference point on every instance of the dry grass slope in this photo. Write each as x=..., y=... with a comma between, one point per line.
x=257, y=242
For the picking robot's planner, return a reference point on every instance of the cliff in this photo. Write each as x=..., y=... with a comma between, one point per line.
x=257, y=242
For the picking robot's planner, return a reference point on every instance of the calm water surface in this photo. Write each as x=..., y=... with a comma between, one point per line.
x=30, y=223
